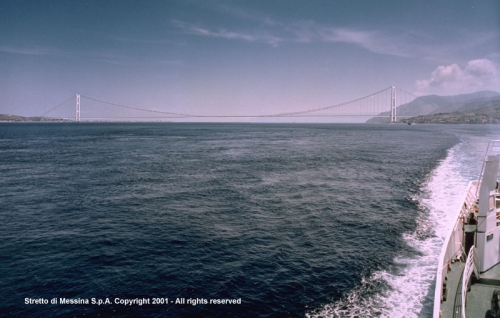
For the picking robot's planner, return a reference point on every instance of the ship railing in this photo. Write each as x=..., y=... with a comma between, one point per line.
x=453, y=248
x=468, y=269
x=452, y=252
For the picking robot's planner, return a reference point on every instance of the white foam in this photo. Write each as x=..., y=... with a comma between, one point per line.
x=411, y=287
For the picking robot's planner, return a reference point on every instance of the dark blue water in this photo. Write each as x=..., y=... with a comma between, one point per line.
x=284, y=218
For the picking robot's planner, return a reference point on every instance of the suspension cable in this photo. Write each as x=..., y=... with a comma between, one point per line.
x=137, y=108
x=285, y=114
x=328, y=107
x=57, y=106
x=421, y=98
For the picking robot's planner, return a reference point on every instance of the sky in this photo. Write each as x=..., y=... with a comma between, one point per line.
x=242, y=57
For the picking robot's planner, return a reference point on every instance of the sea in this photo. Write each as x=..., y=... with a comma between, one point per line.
x=228, y=219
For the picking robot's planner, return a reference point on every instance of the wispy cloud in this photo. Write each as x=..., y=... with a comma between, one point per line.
x=117, y=58
x=261, y=28
x=103, y=56
x=162, y=41
x=114, y=57
x=36, y=51
x=257, y=36
x=302, y=32
x=374, y=41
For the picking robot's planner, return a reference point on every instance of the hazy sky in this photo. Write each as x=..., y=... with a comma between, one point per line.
x=242, y=57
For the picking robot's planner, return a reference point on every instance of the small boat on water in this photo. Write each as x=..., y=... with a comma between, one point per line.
x=468, y=274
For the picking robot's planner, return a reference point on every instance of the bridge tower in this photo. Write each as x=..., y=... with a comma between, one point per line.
x=77, y=114
x=393, y=104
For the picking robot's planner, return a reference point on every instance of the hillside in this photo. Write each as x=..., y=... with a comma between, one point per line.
x=15, y=118
x=475, y=112
x=434, y=104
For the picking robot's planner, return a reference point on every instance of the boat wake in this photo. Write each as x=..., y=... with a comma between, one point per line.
x=407, y=289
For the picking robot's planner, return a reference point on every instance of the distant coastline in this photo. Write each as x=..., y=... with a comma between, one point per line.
x=475, y=108
x=483, y=117
x=441, y=118
x=4, y=118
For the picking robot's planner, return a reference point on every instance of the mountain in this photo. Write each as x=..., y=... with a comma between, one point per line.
x=480, y=111
x=434, y=104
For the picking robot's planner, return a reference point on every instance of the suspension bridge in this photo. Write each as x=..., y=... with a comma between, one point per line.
x=391, y=103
